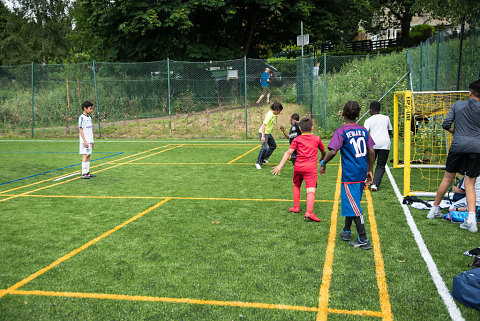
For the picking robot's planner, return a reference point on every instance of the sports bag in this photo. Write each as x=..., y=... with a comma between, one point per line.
x=456, y=216
x=466, y=288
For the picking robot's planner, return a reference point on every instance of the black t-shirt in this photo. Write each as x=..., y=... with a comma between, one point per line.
x=294, y=132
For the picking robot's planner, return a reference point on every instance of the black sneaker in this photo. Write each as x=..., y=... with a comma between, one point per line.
x=85, y=176
x=91, y=175
x=365, y=245
x=346, y=235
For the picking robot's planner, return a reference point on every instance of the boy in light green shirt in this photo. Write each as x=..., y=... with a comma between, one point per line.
x=265, y=135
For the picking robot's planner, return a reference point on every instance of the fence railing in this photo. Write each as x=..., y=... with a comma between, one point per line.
x=362, y=45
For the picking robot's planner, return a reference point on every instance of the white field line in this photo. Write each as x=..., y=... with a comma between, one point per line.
x=442, y=289
x=60, y=178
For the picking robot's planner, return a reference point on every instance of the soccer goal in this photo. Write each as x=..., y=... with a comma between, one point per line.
x=418, y=118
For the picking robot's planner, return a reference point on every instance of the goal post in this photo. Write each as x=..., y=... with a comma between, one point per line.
x=420, y=144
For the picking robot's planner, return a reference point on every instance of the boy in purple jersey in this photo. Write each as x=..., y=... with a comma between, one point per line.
x=356, y=147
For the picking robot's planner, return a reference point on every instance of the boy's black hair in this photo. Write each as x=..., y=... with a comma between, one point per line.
x=475, y=88
x=86, y=104
x=296, y=117
x=306, y=124
x=277, y=106
x=351, y=110
x=375, y=106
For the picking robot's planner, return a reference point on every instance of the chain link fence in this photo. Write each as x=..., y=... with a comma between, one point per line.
x=178, y=99
x=362, y=78
x=445, y=61
x=218, y=99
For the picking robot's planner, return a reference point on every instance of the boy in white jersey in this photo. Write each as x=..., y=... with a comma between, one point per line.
x=380, y=129
x=85, y=134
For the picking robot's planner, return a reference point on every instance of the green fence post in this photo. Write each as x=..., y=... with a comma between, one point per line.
x=311, y=88
x=460, y=49
x=96, y=97
x=32, y=101
x=436, y=62
x=421, y=63
x=325, y=87
x=169, y=103
x=245, y=86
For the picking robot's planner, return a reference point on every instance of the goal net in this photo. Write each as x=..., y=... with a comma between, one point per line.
x=418, y=134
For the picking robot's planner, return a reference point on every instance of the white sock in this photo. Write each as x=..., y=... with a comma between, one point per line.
x=471, y=218
x=84, y=168
x=88, y=167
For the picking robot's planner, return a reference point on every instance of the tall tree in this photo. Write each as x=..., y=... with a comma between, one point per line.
x=338, y=20
x=37, y=30
x=455, y=11
x=202, y=30
x=394, y=13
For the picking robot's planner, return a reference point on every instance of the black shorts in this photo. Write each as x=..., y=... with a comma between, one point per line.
x=468, y=163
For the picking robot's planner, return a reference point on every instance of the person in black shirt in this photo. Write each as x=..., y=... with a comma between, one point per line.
x=294, y=132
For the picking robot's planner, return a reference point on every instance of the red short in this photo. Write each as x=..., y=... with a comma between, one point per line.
x=310, y=178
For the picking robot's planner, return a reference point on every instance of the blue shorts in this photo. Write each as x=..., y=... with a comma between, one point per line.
x=351, y=197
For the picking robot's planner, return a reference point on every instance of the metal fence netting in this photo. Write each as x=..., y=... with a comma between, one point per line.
x=219, y=98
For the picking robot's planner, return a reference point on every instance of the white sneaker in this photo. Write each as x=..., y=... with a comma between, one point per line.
x=373, y=187
x=472, y=227
x=434, y=213
x=258, y=166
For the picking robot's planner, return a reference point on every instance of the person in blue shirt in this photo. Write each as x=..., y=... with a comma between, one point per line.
x=264, y=82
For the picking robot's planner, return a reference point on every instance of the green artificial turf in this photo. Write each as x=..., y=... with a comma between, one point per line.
x=195, y=232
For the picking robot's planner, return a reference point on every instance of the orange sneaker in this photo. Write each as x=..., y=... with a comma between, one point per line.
x=294, y=209
x=310, y=217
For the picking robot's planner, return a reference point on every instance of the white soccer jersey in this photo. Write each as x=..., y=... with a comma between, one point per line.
x=85, y=122
x=378, y=125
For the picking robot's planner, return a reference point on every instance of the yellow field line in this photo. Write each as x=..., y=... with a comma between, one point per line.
x=217, y=146
x=251, y=150
x=189, y=301
x=49, y=179
x=324, y=294
x=170, y=197
x=366, y=313
x=192, y=163
x=80, y=249
x=175, y=163
x=78, y=177
x=379, y=263
x=231, y=145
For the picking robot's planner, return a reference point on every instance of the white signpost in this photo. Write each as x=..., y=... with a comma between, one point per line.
x=302, y=40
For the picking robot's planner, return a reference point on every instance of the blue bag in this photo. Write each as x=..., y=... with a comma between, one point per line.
x=456, y=216
x=466, y=288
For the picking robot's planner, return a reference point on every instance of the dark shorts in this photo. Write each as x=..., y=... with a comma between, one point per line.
x=309, y=177
x=265, y=91
x=463, y=163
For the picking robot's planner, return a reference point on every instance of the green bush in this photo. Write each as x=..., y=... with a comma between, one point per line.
x=420, y=33
x=288, y=67
x=363, y=80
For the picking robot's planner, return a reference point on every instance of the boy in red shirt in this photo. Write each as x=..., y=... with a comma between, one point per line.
x=305, y=168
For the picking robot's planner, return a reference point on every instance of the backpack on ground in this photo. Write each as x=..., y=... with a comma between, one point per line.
x=466, y=288
x=476, y=262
